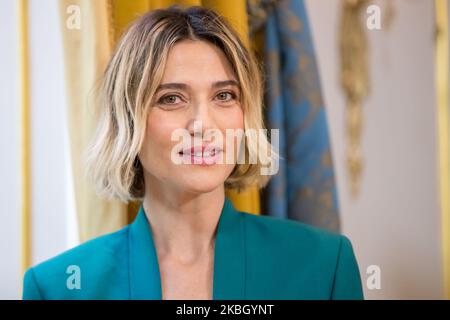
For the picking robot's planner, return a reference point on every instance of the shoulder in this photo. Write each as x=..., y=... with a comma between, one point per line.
x=290, y=234
x=309, y=257
x=93, y=259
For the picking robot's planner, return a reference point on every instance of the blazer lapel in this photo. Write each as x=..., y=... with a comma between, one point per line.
x=145, y=280
x=229, y=258
x=229, y=255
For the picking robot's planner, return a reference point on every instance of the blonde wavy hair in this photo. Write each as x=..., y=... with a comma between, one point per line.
x=127, y=88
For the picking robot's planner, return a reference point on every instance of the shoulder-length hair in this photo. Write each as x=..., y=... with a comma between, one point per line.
x=127, y=90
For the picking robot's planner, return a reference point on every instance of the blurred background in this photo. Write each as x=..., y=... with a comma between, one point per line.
x=357, y=88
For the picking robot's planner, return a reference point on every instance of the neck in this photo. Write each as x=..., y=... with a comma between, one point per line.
x=183, y=224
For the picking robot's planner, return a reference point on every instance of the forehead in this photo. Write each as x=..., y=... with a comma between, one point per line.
x=196, y=60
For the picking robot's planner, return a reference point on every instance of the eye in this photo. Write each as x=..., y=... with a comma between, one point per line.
x=169, y=99
x=226, y=96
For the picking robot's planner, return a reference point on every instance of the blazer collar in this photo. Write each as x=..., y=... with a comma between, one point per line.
x=229, y=257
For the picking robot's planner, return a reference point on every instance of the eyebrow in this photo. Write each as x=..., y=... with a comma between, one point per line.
x=183, y=86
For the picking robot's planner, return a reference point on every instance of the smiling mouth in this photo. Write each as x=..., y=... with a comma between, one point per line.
x=201, y=155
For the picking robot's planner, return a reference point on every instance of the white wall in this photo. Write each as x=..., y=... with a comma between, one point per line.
x=9, y=154
x=395, y=221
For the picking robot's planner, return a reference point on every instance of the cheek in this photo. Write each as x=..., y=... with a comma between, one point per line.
x=232, y=119
x=156, y=128
x=157, y=140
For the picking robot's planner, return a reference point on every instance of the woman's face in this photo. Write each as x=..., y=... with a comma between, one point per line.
x=198, y=94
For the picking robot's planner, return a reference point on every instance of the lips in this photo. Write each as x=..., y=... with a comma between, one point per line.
x=201, y=155
x=201, y=151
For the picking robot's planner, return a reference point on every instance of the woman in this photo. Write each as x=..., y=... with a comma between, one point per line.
x=186, y=74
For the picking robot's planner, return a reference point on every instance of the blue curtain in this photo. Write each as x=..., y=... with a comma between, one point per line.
x=304, y=188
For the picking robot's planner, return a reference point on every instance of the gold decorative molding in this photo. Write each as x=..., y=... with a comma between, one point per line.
x=111, y=23
x=443, y=132
x=25, y=135
x=354, y=82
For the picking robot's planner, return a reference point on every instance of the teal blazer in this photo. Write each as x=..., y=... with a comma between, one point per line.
x=255, y=257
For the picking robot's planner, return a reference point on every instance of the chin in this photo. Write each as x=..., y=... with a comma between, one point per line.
x=202, y=183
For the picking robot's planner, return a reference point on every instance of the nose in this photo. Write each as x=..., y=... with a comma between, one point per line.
x=200, y=120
